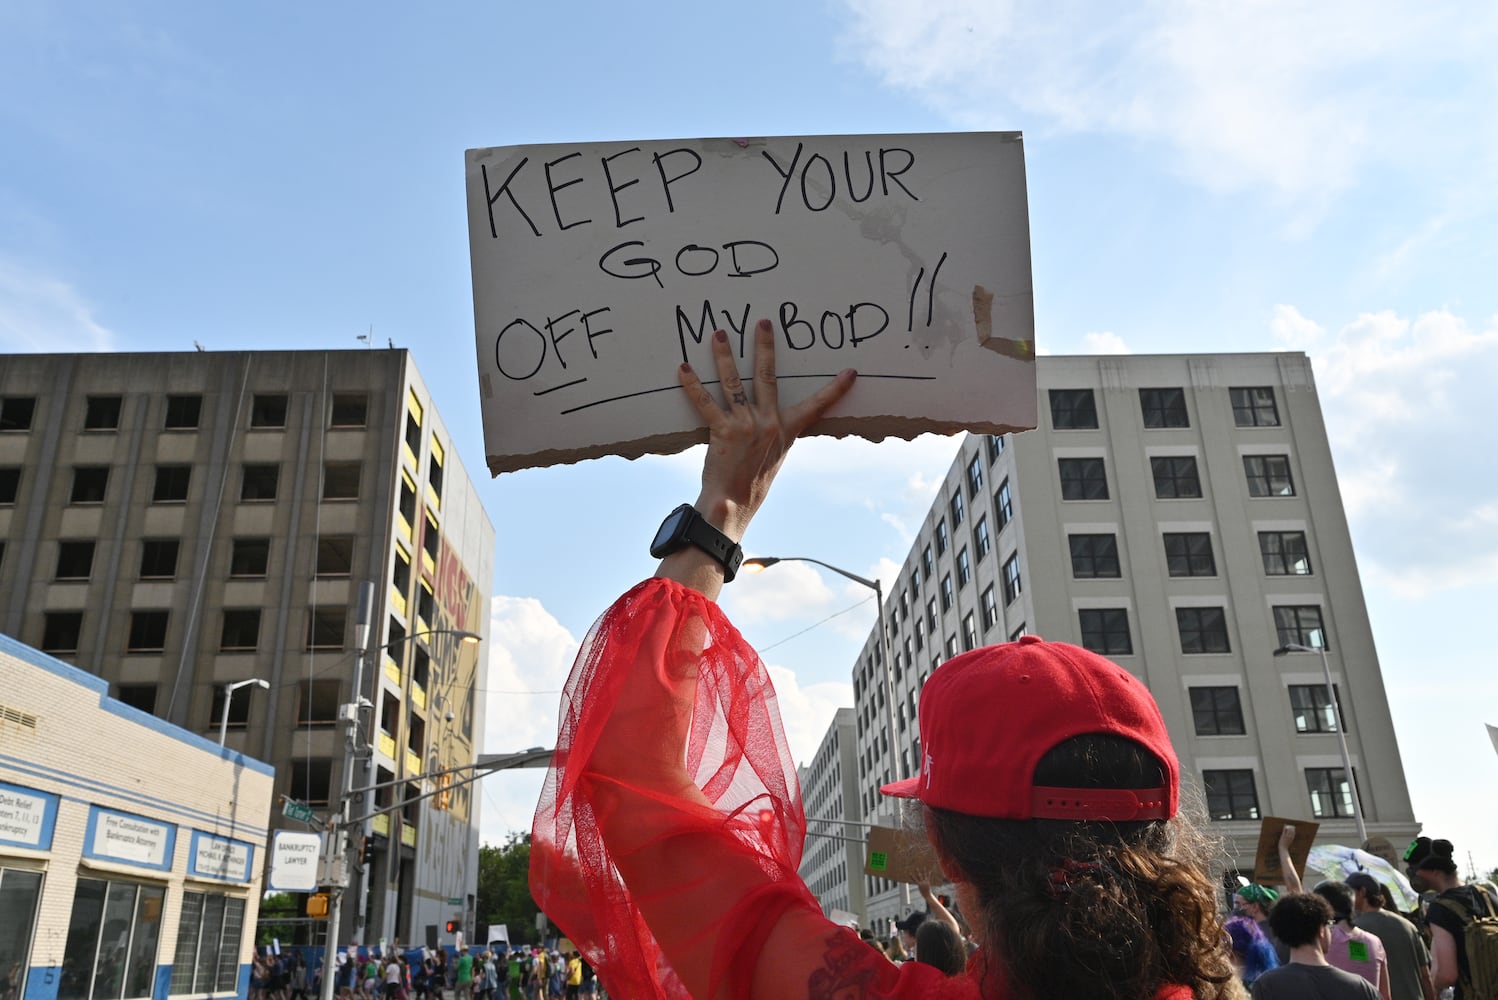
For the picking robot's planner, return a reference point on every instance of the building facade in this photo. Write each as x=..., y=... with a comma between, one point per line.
x=1179, y=514
x=175, y=523
x=117, y=877
x=833, y=861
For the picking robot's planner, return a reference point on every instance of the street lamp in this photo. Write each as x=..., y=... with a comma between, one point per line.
x=1331, y=700
x=229, y=689
x=339, y=845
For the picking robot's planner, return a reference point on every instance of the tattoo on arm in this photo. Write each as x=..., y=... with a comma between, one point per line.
x=850, y=968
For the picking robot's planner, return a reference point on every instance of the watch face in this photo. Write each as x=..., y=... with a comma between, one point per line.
x=670, y=531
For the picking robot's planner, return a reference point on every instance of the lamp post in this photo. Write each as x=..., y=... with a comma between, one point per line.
x=336, y=872
x=1331, y=700
x=229, y=689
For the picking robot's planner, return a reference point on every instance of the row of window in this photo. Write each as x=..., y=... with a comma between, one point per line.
x=1188, y=553
x=182, y=412
x=239, y=630
x=1231, y=794
x=1176, y=477
x=1218, y=710
x=1201, y=630
x=1076, y=409
x=249, y=558
x=258, y=483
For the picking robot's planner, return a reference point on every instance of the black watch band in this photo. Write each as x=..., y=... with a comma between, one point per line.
x=685, y=526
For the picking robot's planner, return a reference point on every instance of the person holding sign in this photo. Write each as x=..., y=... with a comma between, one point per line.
x=669, y=832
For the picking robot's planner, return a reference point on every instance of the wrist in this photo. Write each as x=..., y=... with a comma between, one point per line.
x=728, y=516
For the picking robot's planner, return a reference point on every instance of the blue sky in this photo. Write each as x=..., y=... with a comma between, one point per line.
x=1318, y=176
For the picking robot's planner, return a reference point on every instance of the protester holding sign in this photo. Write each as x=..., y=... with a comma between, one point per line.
x=669, y=834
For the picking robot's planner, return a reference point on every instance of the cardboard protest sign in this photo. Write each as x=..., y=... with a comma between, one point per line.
x=1267, y=870
x=901, y=856
x=599, y=268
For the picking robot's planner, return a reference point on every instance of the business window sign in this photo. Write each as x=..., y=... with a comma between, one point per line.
x=220, y=858
x=27, y=817
x=129, y=839
x=293, y=861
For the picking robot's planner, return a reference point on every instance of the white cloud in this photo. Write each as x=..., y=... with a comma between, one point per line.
x=1105, y=342
x=807, y=711
x=530, y=656
x=1292, y=96
x=791, y=589
x=41, y=314
x=1402, y=399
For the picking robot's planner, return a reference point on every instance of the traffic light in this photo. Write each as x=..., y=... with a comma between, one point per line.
x=452, y=927
x=317, y=904
x=444, y=796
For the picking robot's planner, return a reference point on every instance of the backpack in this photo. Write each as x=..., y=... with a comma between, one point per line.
x=1480, y=937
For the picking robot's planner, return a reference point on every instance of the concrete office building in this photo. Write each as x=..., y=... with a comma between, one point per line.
x=173, y=523
x=832, y=865
x=1179, y=514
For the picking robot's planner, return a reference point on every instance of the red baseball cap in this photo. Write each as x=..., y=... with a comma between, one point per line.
x=989, y=715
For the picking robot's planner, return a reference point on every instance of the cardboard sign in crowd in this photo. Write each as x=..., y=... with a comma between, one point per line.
x=599, y=268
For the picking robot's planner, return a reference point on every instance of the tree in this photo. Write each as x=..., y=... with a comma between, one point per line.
x=504, y=893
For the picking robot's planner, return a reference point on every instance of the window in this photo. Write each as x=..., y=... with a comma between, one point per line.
x=147, y=632
x=101, y=413
x=10, y=484
x=421, y=666
x=349, y=409
x=957, y=509
x=413, y=424
x=1176, y=477
x=183, y=412
x=158, y=558
x=995, y=447
x=431, y=538
x=1073, y=410
x=241, y=630
x=951, y=646
x=259, y=483
x=990, y=608
x=981, y=539
x=941, y=536
x=1268, y=475
x=915, y=582
x=340, y=481
x=1163, y=408
x=1106, y=631
x=400, y=578
x=1311, y=709
x=16, y=412
x=335, y=555
x=60, y=631
x=969, y=632
x=1189, y=553
x=208, y=937
x=249, y=557
x=171, y=483
x=1083, y=479
x=141, y=696
x=1284, y=553
x=1231, y=794
x=1019, y=630
x=434, y=468
x=1003, y=504
x=1094, y=557
x=928, y=563
x=964, y=568
x=975, y=476
x=1300, y=625
x=931, y=616
x=1254, y=406
x=408, y=500
x=310, y=780
x=1217, y=711
x=920, y=633
x=325, y=628
x=1331, y=795
x=113, y=933
x=268, y=410
x=1202, y=630
x=1012, y=585
x=89, y=484
x=75, y=560
x=948, y=596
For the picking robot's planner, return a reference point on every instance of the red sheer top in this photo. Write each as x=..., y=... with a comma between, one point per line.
x=669, y=833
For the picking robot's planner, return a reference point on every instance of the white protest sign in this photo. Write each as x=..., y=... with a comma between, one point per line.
x=599, y=268
x=293, y=861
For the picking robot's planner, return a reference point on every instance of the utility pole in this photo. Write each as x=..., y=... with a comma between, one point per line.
x=335, y=859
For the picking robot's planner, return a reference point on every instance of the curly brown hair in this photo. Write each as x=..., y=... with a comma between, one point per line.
x=1112, y=911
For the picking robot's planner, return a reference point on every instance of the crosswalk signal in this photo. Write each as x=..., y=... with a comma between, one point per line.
x=317, y=904
x=452, y=927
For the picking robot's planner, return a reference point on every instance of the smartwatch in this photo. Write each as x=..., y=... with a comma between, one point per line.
x=683, y=527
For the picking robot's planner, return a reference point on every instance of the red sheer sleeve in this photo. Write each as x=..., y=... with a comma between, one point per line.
x=669, y=832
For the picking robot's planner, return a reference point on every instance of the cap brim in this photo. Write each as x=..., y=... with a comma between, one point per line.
x=909, y=788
